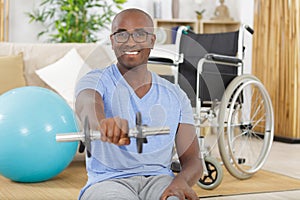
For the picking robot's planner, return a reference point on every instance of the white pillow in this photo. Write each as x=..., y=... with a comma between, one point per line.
x=64, y=73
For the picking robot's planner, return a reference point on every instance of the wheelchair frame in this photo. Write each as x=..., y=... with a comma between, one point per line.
x=244, y=139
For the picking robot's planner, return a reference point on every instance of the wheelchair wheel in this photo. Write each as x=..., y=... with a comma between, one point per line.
x=214, y=176
x=246, y=126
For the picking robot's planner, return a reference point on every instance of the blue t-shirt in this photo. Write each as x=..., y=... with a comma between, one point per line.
x=165, y=104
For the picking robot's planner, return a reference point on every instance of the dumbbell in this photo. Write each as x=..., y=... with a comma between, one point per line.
x=140, y=132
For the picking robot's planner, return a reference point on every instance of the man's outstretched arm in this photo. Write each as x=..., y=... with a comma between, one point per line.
x=188, y=151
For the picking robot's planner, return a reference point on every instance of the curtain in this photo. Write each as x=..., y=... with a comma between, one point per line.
x=4, y=7
x=276, y=58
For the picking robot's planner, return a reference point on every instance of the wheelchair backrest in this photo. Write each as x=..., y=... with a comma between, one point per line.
x=194, y=47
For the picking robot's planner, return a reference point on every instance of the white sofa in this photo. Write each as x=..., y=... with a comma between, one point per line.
x=39, y=55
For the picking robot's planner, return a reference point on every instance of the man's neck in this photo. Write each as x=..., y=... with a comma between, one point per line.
x=139, y=78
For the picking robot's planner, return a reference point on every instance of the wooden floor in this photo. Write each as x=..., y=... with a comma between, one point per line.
x=65, y=186
x=264, y=185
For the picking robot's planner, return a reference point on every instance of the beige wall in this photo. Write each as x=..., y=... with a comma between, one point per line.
x=21, y=31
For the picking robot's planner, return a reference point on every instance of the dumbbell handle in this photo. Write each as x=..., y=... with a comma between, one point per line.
x=96, y=135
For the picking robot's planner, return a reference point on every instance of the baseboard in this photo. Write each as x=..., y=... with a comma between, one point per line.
x=287, y=140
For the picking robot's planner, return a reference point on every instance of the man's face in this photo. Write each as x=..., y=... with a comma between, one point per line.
x=133, y=51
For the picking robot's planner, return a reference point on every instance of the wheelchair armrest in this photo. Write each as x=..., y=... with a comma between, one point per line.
x=223, y=58
x=160, y=60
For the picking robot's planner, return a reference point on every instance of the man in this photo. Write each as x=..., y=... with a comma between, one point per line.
x=110, y=98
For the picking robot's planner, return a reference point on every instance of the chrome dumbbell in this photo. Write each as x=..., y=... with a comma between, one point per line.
x=140, y=132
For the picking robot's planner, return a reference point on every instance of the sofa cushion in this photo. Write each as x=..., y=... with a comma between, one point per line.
x=63, y=74
x=39, y=55
x=11, y=72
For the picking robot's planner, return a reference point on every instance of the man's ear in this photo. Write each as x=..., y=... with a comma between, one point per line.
x=153, y=39
x=111, y=41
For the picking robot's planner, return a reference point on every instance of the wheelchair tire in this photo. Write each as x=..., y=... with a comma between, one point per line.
x=246, y=126
x=215, y=174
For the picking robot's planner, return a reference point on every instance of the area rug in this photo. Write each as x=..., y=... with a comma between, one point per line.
x=261, y=182
x=66, y=186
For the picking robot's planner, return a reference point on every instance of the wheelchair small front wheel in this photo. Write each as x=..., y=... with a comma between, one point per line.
x=215, y=174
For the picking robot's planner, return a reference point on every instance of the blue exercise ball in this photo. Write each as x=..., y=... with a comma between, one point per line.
x=30, y=118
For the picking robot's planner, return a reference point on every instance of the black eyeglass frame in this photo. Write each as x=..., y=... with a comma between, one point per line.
x=131, y=35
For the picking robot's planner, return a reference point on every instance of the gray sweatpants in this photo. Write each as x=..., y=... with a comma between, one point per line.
x=133, y=188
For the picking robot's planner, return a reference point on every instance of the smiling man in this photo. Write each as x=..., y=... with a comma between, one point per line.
x=132, y=40
x=111, y=97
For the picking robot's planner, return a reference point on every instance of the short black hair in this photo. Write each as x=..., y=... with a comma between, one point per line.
x=134, y=10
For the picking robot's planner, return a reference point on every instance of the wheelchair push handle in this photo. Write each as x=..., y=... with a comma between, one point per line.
x=249, y=29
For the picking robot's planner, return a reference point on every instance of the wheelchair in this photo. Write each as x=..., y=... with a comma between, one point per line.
x=234, y=107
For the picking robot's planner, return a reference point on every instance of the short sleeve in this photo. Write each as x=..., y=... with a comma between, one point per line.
x=92, y=80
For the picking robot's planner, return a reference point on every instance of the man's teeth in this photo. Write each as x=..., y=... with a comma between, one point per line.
x=131, y=52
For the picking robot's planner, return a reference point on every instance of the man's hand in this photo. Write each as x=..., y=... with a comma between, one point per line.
x=114, y=130
x=180, y=189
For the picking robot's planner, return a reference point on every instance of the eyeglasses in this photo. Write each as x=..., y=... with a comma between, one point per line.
x=137, y=36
